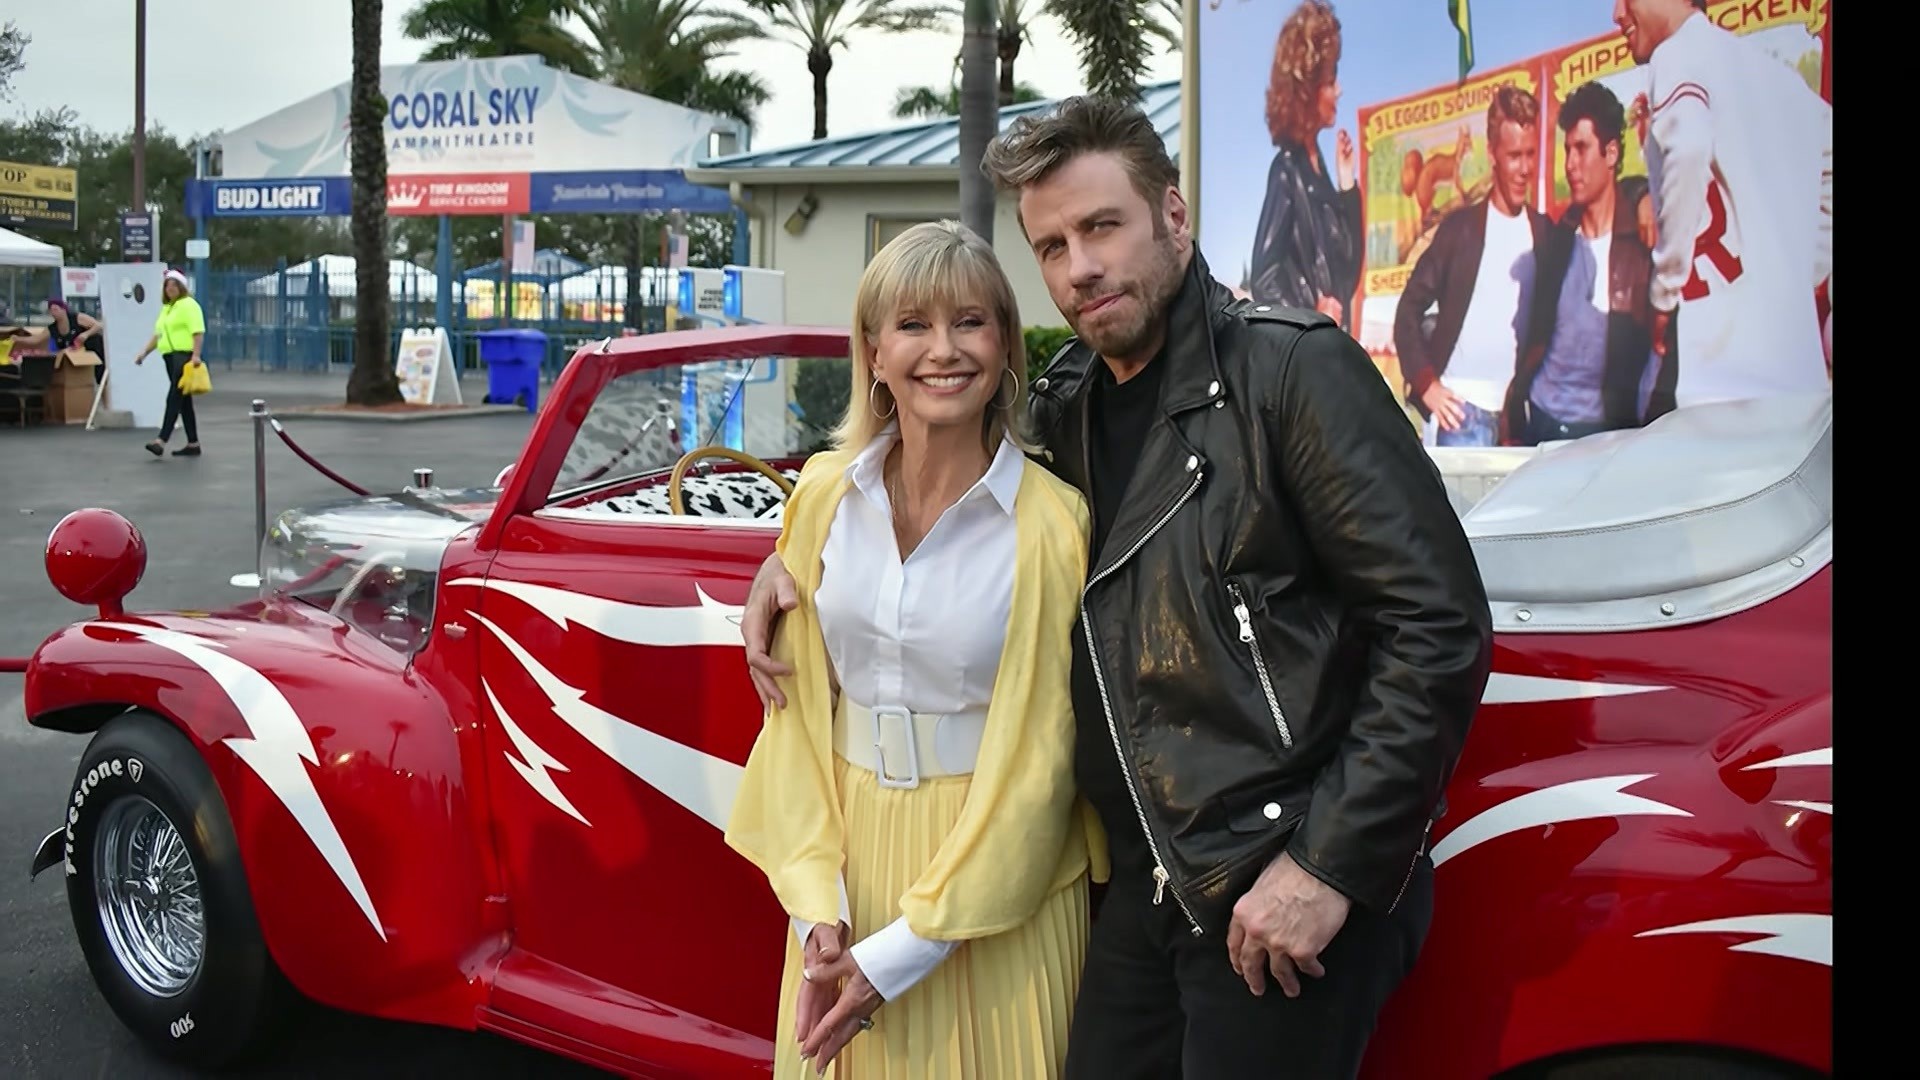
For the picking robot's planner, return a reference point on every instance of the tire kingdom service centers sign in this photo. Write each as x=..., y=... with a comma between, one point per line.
x=38, y=195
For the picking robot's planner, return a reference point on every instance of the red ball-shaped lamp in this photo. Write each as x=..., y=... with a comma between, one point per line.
x=95, y=556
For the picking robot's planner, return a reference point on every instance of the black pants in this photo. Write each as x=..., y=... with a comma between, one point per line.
x=1158, y=1003
x=179, y=405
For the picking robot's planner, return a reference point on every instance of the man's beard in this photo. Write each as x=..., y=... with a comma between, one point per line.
x=1155, y=290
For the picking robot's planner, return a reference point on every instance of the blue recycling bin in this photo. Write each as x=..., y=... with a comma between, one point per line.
x=513, y=358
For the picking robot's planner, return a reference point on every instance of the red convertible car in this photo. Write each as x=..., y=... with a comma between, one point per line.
x=466, y=758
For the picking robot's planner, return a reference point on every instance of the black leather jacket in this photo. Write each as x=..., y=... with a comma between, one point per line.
x=1307, y=243
x=1287, y=622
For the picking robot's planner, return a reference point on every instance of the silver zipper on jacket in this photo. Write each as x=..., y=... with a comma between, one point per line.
x=1408, y=880
x=1259, y=664
x=1161, y=879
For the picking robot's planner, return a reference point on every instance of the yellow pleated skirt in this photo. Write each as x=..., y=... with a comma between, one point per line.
x=998, y=1008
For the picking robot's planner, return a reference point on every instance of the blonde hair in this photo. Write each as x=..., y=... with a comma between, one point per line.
x=932, y=263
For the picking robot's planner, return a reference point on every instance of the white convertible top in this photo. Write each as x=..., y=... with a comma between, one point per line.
x=1706, y=511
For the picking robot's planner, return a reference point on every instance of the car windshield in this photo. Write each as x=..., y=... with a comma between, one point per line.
x=644, y=421
x=371, y=562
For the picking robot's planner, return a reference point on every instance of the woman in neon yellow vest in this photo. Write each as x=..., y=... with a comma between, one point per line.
x=177, y=333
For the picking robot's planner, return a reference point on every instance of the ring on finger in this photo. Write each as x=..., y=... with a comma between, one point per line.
x=866, y=1023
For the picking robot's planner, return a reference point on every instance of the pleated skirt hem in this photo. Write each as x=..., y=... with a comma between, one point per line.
x=998, y=1008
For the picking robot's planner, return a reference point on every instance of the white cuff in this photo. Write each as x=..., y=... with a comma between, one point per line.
x=803, y=929
x=896, y=958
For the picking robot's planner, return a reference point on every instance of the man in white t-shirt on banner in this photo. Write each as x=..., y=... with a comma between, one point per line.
x=1741, y=160
x=1455, y=325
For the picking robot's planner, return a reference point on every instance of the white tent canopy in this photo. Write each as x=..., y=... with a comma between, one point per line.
x=18, y=250
x=337, y=274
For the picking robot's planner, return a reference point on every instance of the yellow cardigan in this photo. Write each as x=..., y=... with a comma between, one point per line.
x=1024, y=832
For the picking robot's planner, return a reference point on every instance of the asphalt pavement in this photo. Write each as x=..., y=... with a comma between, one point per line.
x=197, y=515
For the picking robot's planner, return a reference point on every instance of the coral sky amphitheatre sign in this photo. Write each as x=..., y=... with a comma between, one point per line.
x=503, y=135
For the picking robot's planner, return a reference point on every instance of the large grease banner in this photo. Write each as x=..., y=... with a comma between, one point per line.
x=1619, y=207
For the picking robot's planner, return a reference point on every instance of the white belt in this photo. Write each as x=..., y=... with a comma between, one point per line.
x=902, y=748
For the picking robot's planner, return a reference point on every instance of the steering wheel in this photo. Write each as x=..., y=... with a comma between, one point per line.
x=676, y=502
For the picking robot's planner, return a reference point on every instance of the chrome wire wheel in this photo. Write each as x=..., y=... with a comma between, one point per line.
x=148, y=895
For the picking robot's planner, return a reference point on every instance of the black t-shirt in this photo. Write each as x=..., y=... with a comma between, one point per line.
x=1119, y=415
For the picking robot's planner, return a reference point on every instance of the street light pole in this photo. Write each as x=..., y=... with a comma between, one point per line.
x=140, y=106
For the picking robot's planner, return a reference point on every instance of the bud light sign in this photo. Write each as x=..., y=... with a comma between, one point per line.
x=317, y=197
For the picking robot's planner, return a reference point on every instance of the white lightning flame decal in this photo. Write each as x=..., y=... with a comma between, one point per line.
x=534, y=761
x=704, y=784
x=1600, y=797
x=278, y=751
x=1805, y=759
x=1505, y=689
x=711, y=623
x=1822, y=756
x=1795, y=936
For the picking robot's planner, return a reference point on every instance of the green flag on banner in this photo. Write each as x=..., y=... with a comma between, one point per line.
x=1462, y=22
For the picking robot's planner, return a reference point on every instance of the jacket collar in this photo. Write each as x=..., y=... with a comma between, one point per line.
x=1193, y=366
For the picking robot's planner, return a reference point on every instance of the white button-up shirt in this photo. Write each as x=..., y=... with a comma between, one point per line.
x=923, y=634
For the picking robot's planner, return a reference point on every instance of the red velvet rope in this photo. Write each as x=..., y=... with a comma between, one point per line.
x=308, y=458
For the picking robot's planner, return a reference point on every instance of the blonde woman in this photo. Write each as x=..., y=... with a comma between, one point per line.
x=912, y=803
x=177, y=333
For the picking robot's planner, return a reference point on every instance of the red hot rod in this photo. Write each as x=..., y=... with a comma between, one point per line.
x=467, y=752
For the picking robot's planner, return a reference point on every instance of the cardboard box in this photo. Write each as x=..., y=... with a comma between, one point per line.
x=70, y=396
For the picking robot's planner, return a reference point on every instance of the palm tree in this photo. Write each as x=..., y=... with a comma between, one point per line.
x=1112, y=38
x=372, y=380
x=463, y=28
x=819, y=27
x=1015, y=30
x=666, y=49
x=979, y=114
x=932, y=102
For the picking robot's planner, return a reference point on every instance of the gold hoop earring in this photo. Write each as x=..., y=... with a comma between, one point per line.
x=874, y=404
x=1012, y=399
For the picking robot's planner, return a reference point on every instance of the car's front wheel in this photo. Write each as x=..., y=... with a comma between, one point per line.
x=160, y=900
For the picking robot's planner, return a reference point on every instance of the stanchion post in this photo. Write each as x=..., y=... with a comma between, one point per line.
x=259, y=414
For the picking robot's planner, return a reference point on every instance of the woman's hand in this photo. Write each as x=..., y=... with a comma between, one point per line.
x=824, y=946
x=1343, y=159
x=857, y=1001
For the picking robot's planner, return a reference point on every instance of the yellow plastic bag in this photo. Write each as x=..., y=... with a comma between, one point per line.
x=193, y=379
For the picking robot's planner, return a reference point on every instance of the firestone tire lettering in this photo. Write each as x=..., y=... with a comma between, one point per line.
x=129, y=767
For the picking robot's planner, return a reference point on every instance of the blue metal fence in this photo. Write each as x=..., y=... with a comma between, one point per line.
x=301, y=318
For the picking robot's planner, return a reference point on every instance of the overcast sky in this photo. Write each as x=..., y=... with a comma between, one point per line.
x=220, y=64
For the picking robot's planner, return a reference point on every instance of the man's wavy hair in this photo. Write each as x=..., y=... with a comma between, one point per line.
x=1595, y=103
x=1035, y=146
x=1512, y=105
x=1304, y=60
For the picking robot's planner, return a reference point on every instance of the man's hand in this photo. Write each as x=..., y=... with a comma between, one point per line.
x=1662, y=323
x=1343, y=160
x=771, y=596
x=1444, y=406
x=857, y=1001
x=1282, y=925
x=824, y=946
x=1649, y=225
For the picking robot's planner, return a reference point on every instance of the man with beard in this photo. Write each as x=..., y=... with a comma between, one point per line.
x=1469, y=281
x=1282, y=639
x=1587, y=338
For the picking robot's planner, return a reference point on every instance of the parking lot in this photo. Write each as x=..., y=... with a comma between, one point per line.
x=197, y=516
